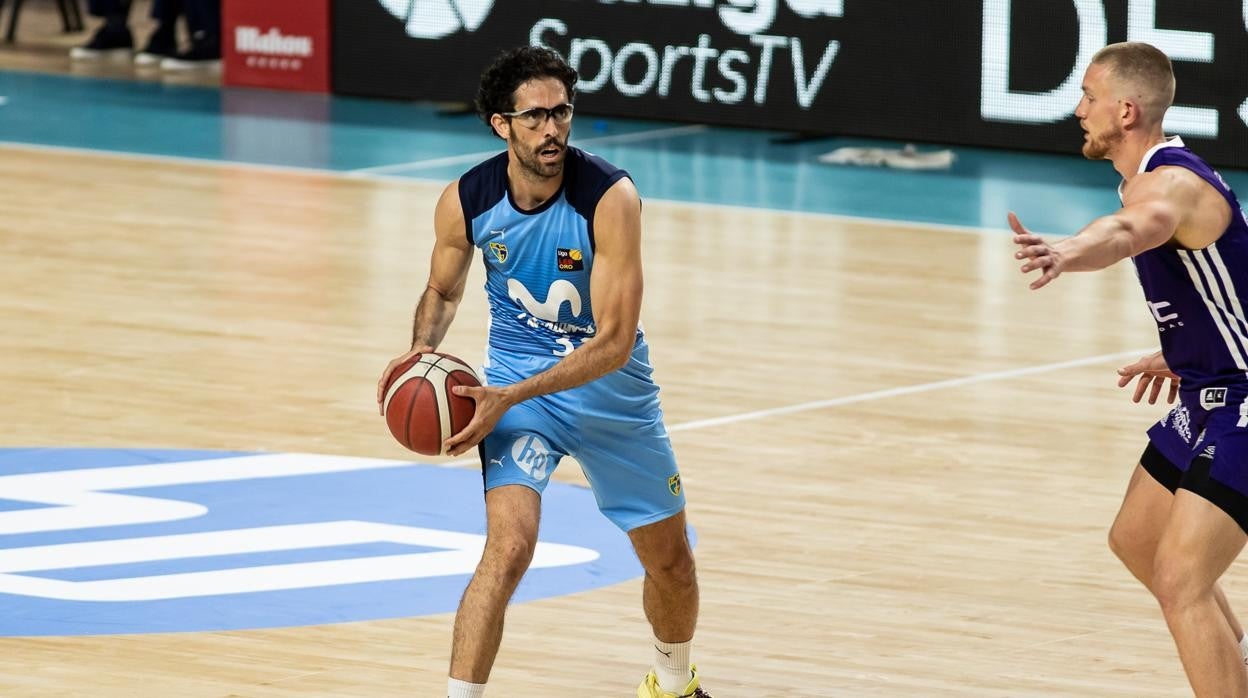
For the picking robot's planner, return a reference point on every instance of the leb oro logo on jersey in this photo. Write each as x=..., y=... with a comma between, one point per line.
x=570, y=259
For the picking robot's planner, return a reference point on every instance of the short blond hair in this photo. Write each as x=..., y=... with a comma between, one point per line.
x=1144, y=72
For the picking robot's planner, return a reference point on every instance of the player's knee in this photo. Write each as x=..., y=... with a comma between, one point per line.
x=508, y=558
x=1175, y=583
x=1127, y=546
x=1133, y=540
x=676, y=568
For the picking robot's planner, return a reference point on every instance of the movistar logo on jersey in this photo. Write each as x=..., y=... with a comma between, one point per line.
x=137, y=541
x=560, y=292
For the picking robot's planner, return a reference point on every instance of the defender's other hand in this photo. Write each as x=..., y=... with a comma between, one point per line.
x=1153, y=372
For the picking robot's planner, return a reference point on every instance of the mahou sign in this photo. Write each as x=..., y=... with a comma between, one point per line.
x=280, y=44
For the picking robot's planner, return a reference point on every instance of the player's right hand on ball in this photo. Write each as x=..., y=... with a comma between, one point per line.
x=384, y=381
x=491, y=403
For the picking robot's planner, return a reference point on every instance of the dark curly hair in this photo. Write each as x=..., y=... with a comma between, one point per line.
x=512, y=69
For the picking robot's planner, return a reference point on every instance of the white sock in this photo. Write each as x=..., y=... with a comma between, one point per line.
x=671, y=665
x=462, y=689
x=1243, y=647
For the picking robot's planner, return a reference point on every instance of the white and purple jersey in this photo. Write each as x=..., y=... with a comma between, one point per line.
x=1198, y=296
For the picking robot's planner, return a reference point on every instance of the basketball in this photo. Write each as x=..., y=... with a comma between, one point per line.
x=419, y=407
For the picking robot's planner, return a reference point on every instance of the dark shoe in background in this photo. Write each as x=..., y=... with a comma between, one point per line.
x=112, y=41
x=204, y=55
x=162, y=44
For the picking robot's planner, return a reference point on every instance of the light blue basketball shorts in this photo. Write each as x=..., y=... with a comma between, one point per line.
x=612, y=426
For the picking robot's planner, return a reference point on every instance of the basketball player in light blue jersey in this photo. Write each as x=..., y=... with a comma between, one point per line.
x=567, y=370
x=1184, y=517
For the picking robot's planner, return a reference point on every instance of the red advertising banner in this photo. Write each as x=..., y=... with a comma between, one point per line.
x=282, y=44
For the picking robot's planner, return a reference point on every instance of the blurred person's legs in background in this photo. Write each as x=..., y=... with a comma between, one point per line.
x=203, y=19
x=164, y=39
x=114, y=40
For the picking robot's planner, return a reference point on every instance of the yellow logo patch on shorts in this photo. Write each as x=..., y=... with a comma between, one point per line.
x=673, y=484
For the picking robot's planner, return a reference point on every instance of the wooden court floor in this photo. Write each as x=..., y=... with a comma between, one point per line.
x=928, y=520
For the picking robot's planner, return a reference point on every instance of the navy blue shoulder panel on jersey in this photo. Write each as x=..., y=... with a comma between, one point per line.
x=481, y=188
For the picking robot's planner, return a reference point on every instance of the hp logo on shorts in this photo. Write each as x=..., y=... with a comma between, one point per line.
x=434, y=19
x=532, y=456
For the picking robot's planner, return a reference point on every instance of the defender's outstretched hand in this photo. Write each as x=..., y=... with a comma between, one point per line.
x=1038, y=253
x=1153, y=371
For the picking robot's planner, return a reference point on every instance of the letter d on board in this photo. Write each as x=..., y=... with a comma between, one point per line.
x=998, y=103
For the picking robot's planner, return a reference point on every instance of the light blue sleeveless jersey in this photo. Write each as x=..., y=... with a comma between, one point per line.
x=537, y=262
x=538, y=265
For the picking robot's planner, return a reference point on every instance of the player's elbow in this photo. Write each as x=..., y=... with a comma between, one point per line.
x=620, y=356
x=619, y=349
x=447, y=295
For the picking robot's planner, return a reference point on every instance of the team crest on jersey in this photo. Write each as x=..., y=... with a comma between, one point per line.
x=499, y=250
x=570, y=259
x=673, y=484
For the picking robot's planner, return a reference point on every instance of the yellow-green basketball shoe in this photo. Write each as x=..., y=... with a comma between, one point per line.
x=650, y=688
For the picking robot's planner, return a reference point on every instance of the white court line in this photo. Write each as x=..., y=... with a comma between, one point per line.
x=393, y=179
x=194, y=162
x=846, y=218
x=476, y=157
x=883, y=394
x=907, y=390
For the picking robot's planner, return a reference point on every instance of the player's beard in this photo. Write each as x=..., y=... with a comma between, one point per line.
x=1098, y=147
x=531, y=159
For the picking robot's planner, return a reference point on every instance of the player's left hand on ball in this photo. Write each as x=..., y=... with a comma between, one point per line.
x=389, y=370
x=491, y=402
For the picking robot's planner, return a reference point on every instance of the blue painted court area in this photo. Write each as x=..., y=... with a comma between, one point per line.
x=106, y=541
x=1052, y=193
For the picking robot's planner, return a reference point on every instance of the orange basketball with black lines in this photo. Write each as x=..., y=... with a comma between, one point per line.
x=420, y=409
